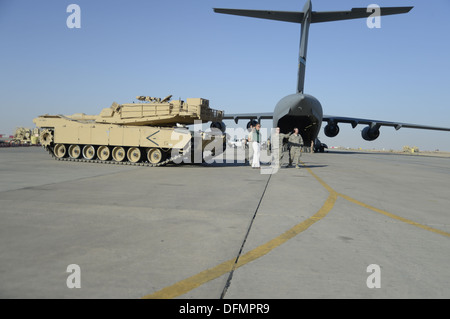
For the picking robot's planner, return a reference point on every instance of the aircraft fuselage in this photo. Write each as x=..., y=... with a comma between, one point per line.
x=299, y=110
x=305, y=111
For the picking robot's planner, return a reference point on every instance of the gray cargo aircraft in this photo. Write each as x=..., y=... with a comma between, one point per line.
x=305, y=111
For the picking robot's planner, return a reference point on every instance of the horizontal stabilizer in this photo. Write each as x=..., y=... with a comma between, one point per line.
x=316, y=16
x=288, y=16
x=355, y=13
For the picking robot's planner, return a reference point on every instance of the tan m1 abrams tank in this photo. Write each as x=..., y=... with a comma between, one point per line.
x=151, y=132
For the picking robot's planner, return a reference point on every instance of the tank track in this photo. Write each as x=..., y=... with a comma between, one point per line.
x=69, y=159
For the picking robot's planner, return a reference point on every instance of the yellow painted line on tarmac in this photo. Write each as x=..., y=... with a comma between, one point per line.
x=203, y=277
x=193, y=282
x=289, y=234
x=385, y=213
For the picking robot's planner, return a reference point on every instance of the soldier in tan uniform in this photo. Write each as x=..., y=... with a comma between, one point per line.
x=295, y=143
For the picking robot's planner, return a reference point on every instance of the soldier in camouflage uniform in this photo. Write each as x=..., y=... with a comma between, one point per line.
x=295, y=143
x=277, y=146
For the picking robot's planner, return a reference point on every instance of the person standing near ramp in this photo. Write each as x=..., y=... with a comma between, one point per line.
x=295, y=143
x=256, y=143
x=277, y=146
x=249, y=145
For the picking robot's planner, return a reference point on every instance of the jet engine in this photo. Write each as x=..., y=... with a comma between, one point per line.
x=219, y=125
x=331, y=130
x=370, y=133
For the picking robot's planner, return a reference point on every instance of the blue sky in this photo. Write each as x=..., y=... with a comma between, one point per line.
x=399, y=72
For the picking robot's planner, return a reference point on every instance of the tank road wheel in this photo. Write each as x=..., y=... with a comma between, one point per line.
x=118, y=153
x=46, y=138
x=89, y=152
x=103, y=153
x=134, y=154
x=60, y=150
x=74, y=151
x=154, y=155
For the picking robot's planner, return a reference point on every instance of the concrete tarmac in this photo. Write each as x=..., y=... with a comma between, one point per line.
x=341, y=226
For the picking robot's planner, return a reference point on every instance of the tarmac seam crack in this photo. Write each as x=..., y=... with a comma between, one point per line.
x=188, y=284
x=181, y=287
x=230, y=275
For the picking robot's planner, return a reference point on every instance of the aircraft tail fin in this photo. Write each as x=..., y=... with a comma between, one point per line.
x=305, y=18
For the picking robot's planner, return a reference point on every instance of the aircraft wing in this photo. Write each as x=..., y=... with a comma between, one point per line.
x=248, y=116
x=337, y=119
x=372, y=123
